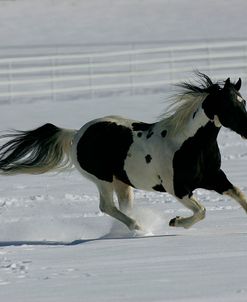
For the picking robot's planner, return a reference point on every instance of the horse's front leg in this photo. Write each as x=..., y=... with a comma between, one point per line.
x=198, y=210
x=238, y=195
x=222, y=185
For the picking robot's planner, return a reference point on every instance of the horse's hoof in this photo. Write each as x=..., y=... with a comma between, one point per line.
x=138, y=227
x=135, y=227
x=172, y=222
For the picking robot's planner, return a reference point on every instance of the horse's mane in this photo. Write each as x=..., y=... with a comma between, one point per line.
x=187, y=101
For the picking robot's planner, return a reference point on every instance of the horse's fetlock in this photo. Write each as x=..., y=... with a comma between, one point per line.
x=202, y=213
x=134, y=226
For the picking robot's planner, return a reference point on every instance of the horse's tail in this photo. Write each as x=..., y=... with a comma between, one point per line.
x=37, y=151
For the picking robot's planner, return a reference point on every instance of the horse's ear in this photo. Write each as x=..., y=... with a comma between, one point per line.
x=227, y=83
x=237, y=86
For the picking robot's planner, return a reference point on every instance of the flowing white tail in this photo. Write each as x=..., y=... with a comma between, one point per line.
x=37, y=151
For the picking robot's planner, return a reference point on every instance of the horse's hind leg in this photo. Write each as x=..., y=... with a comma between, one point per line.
x=198, y=210
x=107, y=206
x=125, y=196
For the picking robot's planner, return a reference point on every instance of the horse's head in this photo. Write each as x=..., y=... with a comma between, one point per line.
x=227, y=107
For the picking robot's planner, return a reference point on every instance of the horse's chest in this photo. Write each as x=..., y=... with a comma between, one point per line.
x=194, y=163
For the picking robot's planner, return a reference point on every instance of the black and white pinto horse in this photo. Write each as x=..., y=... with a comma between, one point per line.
x=177, y=154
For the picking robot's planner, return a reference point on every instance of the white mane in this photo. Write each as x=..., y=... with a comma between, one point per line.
x=180, y=111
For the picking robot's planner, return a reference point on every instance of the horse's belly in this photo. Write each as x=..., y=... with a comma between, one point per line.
x=145, y=171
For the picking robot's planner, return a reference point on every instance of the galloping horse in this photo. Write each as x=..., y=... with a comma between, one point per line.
x=177, y=154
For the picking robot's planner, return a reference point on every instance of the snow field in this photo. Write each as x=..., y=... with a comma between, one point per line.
x=55, y=245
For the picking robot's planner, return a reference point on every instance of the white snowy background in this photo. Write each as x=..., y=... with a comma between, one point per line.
x=41, y=215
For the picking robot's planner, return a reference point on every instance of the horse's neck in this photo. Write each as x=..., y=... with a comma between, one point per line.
x=197, y=120
x=180, y=127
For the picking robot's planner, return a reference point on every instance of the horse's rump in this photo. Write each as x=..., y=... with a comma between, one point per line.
x=102, y=149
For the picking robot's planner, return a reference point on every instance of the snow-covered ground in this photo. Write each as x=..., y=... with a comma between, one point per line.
x=55, y=245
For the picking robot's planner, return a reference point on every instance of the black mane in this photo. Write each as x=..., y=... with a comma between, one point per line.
x=205, y=85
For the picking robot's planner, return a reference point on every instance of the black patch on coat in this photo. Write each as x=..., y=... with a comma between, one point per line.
x=102, y=149
x=150, y=133
x=139, y=126
x=209, y=107
x=144, y=127
x=160, y=179
x=148, y=158
x=164, y=133
x=197, y=164
x=159, y=188
x=194, y=114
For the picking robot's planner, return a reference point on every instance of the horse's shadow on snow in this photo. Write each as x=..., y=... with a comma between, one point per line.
x=117, y=231
x=72, y=243
x=43, y=243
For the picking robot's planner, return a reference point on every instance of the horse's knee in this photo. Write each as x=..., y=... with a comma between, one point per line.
x=125, y=205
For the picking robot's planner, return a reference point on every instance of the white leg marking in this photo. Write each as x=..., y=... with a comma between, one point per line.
x=107, y=206
x=217, y=122
x=238, y=195
x=198, y=210
x=125, y=196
